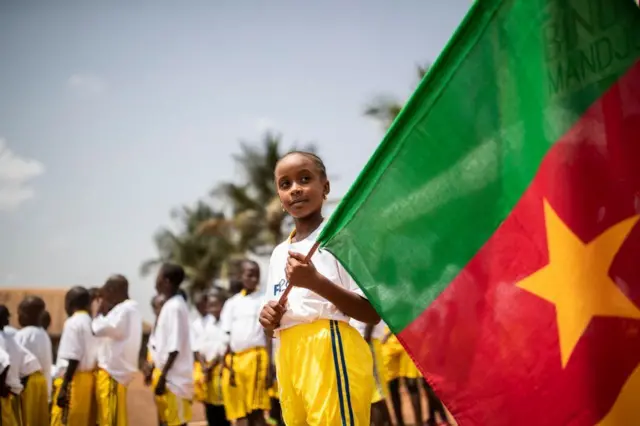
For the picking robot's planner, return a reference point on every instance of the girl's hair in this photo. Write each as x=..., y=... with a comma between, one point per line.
x=310, y=155
x=249, y=261
x=173, y=273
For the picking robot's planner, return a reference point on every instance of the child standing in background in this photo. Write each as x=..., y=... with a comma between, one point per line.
x=74, y=384
x=6, y=411
x=173, y=380
x=119, y=325
x=10, y=399
x=246, y=397
x=37, y=388
x=148, y=367
x=210, y=351
x=373, y=335
x=323, y=364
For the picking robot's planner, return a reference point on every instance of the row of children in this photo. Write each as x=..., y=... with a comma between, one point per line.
x=98, y=357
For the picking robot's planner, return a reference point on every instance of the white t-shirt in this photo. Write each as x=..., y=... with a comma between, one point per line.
x=303, y=305
x=77, y=342
x=37, y=341
x=23, y=362
x=10, y=330
x=4, y=360
x=170, y=335
x=121, y=333
x=197, y=329
x=376, y=333
x=240, y=321
x=213, y=341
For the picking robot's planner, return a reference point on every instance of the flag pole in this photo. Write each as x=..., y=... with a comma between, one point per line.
x=307, y=259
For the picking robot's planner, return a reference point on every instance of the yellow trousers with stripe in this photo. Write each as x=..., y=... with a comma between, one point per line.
x=11, y=414
x=324, y=375
x=35, y=401
x=172, y=410
x=250, y=392
x=112, y=400
x=208, y=392
x=381, y=390
x=81, y=409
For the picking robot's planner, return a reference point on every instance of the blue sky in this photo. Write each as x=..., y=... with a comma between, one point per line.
x=113, y=113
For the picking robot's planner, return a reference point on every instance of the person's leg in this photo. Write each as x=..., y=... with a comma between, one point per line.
x=218, y=417
x=276, y=411
x=396, y=401
x=257, y=396
x=234, y=393
x=414, y=396
x=435, y=406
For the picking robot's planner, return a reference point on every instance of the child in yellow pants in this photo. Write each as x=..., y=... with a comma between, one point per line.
x=324, y=365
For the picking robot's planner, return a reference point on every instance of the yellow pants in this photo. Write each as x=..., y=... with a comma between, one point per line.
x=392, y=352
x=408, y=369
x=35, y=401
x=81, y=409
x=11, y=414
x=208, y=392
x=250, y=392
x=324, y=374
x=172, y=410
x=112, y=400
x=381, y=390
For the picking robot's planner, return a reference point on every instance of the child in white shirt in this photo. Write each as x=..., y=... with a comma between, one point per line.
x=119, y=324
x=323, y=364
x=74, y=383
x=173, y=381
x=247, y=397
x=210, y=352
x=37, y=388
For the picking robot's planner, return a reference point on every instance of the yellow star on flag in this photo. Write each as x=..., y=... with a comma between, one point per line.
x=577, y=281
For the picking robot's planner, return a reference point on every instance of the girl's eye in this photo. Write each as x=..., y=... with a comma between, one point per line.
x=305, y=179
x=284, y=184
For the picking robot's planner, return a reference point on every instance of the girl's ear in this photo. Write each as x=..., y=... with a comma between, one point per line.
x=327, y=189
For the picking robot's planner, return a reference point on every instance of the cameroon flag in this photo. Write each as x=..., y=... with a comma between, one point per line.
x=496, y=227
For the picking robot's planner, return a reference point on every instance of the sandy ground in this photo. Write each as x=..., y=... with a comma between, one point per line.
x=142, y=410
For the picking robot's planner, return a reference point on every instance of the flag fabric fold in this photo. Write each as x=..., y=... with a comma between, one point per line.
x=495, y=226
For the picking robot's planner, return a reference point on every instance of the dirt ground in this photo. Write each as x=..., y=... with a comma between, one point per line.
x=142, y=411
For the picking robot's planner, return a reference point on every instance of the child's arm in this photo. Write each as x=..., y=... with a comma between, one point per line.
x=63, y=395
x=4, y=390
x=162, y=381
x=305, y=275
x=113, y=325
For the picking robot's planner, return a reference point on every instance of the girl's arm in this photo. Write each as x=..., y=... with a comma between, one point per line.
x=305, y=275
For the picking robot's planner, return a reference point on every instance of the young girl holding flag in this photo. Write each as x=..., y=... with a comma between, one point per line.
x=324, y=365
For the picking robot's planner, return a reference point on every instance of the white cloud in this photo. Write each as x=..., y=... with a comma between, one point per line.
x=87, y=84
x=15, y=174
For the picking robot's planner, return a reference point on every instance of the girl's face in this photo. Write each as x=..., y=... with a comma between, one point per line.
x=214, y=307
x=301, y=186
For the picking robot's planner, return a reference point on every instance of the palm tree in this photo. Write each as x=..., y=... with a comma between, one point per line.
x=203, y=256
x=257, y=214
x=385, y=108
